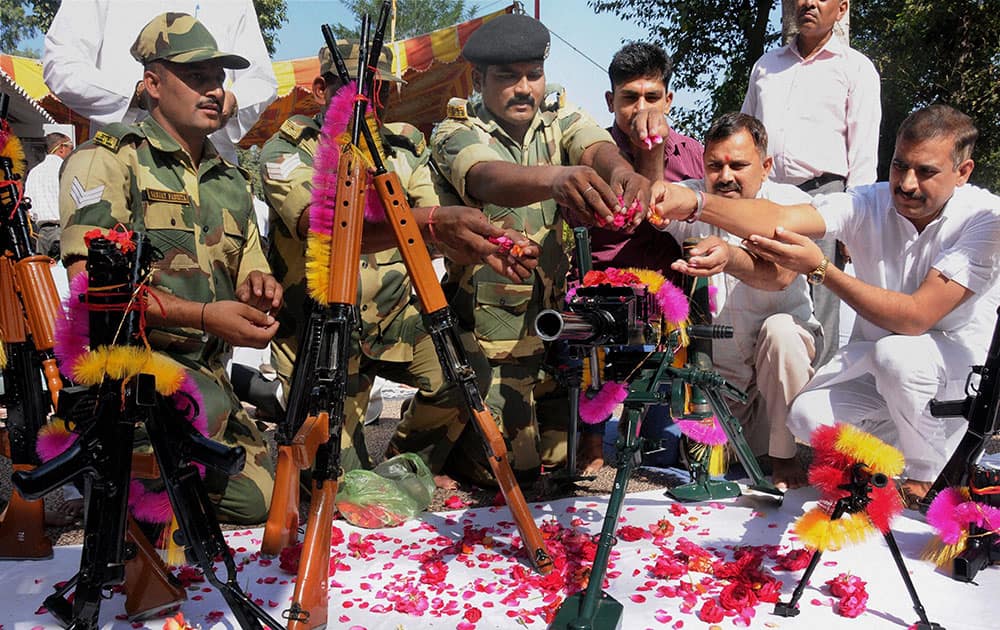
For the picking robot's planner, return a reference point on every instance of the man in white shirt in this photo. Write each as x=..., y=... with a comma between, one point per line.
x=819, y=101
x=925, y=247
x=41, y=186
x=87, y=64
x=775, y=336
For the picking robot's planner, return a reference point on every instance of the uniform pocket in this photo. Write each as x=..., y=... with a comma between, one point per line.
x=170, y=233
x=502, y=311
x=234, y=240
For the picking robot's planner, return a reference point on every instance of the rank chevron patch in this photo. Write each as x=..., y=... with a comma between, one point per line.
x=281, y=169
x=82, y=196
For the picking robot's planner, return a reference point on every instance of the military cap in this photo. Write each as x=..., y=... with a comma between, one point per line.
x=180, y=38
x=507, y=38
x=350, y=51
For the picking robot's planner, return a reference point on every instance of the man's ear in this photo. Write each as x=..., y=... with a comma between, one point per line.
x=609, y=98
x=151, y=81
x=477, y=80
x=965, y=171
x=319, y=90
x=768, y=163
x=668, y=100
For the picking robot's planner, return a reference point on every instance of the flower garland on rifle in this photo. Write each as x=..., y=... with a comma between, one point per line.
x=950, y=514
x=836, y=449
x=334, y=138
x=670, y=302
x=89, y=366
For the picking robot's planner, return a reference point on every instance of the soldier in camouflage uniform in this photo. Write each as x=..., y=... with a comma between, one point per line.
x=162, y=176
x=524, y=163
x=392, y=342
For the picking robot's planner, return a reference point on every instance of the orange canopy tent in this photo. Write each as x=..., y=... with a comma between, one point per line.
x=431, y=64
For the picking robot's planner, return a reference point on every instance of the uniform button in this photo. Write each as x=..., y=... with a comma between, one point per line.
x=173, y=221
x=364, y=307
x=503, y=301
x=364, y=264
x=204, y=229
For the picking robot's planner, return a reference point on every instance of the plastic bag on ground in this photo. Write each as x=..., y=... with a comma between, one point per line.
x=396, y=491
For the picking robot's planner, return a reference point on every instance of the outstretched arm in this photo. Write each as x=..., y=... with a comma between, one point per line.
x=901, y=313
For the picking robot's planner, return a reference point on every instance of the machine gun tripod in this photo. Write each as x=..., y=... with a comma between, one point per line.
x=616, y=319
x=859, y=489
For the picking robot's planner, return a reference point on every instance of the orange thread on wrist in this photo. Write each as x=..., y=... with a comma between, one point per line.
x=430, y=223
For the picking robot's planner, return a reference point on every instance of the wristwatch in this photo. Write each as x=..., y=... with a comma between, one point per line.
x=817, y=275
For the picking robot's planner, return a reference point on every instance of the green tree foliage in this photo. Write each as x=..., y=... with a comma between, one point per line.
x=714, y=44
x=929, y=51
x=24, y=19
x=413, y=17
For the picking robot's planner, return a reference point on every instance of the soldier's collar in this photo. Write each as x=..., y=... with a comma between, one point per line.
x=163, y=141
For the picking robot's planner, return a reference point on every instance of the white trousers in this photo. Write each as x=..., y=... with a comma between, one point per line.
x=772, y=365
x=883, y=388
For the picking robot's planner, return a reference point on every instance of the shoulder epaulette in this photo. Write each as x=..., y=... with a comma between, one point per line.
x=458, y=108
x=406, y=136
x=295, y=128
x=111, y=136
x=555, y=98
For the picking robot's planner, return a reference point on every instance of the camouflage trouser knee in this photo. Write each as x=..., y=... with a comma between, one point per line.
x=552, y=412
x=245, y=497
x=437, y=417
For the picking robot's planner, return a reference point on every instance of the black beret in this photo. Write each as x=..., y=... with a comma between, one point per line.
x=507, y=39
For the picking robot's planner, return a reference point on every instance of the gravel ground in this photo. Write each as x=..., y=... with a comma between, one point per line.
x=378, y=434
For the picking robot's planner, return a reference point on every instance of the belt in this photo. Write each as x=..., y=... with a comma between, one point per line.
x=47, y=223
x=821, y=180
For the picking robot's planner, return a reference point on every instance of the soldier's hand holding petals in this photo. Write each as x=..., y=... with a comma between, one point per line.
x=517, y=258
x=631, y=187
x=261, y=291
x=582, y=191
x=239, y=324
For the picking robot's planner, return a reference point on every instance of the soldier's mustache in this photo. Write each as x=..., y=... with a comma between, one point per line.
x=728, y=187
x=521, y=100
x=210, y=101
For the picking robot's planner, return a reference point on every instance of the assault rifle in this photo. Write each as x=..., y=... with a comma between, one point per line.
x=981, y=407
x=28, y=306
x=104, y=417
x=322, y=380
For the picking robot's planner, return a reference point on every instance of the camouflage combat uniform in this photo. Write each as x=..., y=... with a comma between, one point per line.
x=502, y=313
x=393, y=342
x=202, y=220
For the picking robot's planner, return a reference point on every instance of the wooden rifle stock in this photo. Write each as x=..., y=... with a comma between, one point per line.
x=455, y=363
x=309, y=600
x=282, y=525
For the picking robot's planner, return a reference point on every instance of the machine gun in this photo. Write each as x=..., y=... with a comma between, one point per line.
x=981, y=407
x=617, y=319
x=104, y=417
x=28, y=306
x=320, y=373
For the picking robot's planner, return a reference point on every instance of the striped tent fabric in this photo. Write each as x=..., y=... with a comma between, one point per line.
x=431, y=64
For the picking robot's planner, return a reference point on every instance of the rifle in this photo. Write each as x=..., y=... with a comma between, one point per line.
x=981, y=407
x=326, y=345
x=104, y=417
x=28, y=306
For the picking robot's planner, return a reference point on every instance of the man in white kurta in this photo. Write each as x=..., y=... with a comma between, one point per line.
x=87, y=64
x=926, y=247
x=775, y=336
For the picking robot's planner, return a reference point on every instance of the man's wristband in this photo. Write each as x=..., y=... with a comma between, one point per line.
x=204, y=333
x=430, y=224
x=698, y=208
